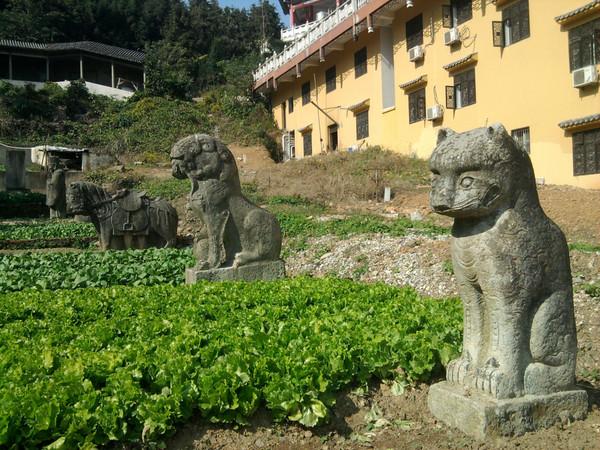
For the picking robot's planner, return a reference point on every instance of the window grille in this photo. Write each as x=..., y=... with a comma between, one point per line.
x=330, y=75
x=463, y=92
x=306, y=93
x=414, y=32
x=457, y=13
x=360, y=62
x=586, y=152
x=362, y=124
x=521, y=136
x=416, y=106
x=584, y=45
x=515, y=19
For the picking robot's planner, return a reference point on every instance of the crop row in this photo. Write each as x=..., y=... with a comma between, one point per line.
x=59, y=229
x=89, y=367
x=71, y=270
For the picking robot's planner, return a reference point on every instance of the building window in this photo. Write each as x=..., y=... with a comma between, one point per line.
x=307, y=143
x=291, y=104
x=458, y=12
x=515, y=20
x=362, y=124
x=330, y=75
x=584, y=45
x=416, y=106
x=521, y=136
x=360, y=62
x=414, y=32
x=586, y=152
x=463, y=92
x=306, y=93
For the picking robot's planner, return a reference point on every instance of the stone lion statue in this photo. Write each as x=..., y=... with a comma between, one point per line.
x=511, y=264
x=236, y=231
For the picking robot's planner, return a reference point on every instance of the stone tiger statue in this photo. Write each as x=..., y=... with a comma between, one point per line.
x=511, y=264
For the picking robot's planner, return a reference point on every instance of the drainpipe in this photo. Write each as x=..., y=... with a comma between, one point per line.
x=81, y=67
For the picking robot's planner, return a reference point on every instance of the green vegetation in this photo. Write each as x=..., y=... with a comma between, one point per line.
x=170, y=189
x=93, y=269
x=592, y=289
x=89, y=367
x=583, y=247
x=21, y=198
x=55, y=229
x=299, y=225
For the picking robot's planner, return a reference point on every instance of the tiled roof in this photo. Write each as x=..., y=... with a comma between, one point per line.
x=416, y=81
x=461, y=61
x=360, y=105
x=96, y=48
x=580, y=121
x=591, y=5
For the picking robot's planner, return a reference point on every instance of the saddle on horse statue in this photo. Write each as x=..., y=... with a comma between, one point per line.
x=130, y=215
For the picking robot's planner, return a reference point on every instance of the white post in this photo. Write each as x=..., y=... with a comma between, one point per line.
x=112, y=74
x=10, y=67
x=81, y=67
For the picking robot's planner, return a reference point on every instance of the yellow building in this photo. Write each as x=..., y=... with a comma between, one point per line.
x=393, y=72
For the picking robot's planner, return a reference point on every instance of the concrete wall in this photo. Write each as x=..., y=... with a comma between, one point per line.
x=526, y=84
x=94, y=88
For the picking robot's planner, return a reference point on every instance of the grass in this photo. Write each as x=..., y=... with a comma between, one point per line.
x=583, y=247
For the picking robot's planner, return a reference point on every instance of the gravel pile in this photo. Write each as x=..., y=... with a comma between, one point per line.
x=413, y=260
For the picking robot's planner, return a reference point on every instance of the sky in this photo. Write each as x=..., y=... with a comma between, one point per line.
x=246, y=3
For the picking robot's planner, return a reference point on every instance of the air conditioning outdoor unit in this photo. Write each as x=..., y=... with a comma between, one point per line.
x=585, y=76
x=415, y=53
x=451, y=36
x=434, y=113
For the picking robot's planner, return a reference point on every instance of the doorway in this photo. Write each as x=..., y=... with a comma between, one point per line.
x=333, y=137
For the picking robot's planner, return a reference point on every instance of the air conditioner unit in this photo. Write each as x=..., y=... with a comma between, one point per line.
x=585, y=76
x=434, y=113
x=415, y=53
x=451, y=36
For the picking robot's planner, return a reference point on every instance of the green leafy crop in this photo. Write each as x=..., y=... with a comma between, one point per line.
x=59, y=229
x=73, y=270
x=89, y=367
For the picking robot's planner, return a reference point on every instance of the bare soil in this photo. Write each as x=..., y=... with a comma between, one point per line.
x=374, y=417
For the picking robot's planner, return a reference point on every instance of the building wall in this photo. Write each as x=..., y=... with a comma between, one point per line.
x=526, y=84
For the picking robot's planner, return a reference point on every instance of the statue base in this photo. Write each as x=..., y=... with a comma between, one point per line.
x=263, y=270
x=481, y=416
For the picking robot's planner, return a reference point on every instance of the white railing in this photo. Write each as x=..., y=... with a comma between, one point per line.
x=316, y=30
x=291, y=34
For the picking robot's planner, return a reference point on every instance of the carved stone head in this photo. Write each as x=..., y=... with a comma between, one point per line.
x=478, y=172
x=192, y=153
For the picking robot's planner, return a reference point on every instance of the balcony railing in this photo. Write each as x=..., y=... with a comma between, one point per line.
x=316, y=30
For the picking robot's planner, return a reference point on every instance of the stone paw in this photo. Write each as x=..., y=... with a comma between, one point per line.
x=457, y=369
x=488, y=379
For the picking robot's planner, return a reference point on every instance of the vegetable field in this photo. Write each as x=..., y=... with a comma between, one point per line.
x=83, y=368
x=93, y=269
x=59, y=229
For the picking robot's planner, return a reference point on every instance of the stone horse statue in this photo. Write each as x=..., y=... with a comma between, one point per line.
x=128, y=219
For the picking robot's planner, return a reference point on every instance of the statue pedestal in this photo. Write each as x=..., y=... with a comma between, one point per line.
x=263, y=270
x=481, y=416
